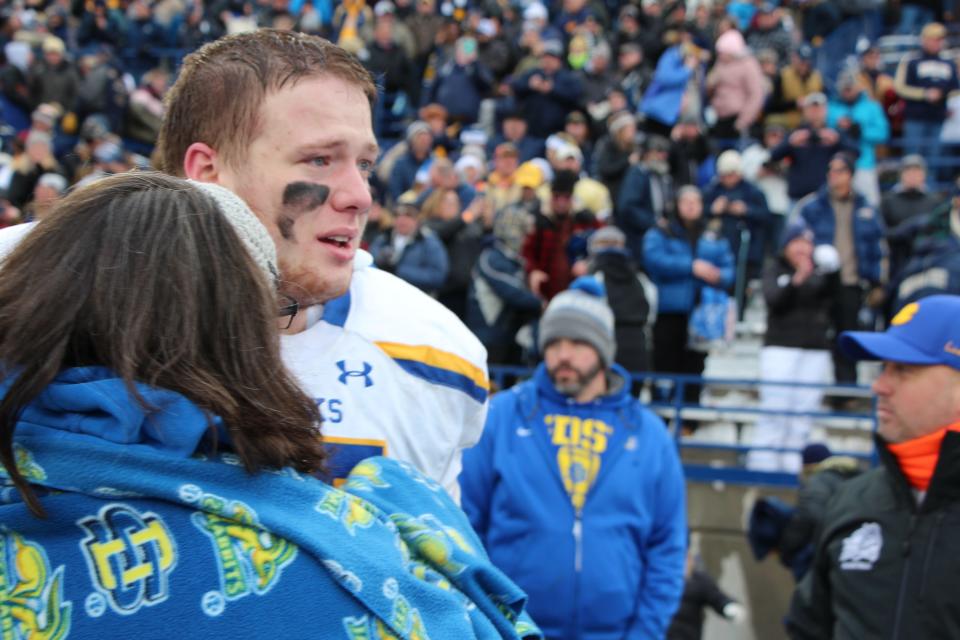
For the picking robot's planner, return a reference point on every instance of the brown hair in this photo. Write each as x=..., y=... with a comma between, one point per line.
x=221, y=87
x=430, y=209
x=142, y=274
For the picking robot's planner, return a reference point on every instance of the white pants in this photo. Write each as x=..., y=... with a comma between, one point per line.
x=787, y=364
x=866, y=182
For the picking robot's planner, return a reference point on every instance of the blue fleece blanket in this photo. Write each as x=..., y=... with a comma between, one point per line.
x=144, y=538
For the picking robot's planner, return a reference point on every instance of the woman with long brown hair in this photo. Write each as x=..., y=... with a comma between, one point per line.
x=157, y=458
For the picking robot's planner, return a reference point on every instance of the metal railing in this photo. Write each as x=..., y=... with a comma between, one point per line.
x=675, y=411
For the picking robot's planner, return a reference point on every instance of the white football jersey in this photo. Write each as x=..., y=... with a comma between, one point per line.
x=10, y=237
x=395, y=373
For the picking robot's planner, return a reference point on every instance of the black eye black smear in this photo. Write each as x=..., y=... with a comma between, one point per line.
x=285, y=225
x=304, y=196
x=299, y=198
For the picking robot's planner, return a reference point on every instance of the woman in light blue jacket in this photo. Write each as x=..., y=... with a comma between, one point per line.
x=853, y=112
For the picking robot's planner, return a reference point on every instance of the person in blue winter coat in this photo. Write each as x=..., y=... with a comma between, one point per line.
x=682, y=255
x=739, y=205
x=663, y=99
x=576, y=489
x=866, y=237
x=158, y=461
x=412, y=251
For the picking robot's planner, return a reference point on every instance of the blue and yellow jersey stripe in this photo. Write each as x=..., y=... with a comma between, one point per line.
x=440, y=367
x=346, y=453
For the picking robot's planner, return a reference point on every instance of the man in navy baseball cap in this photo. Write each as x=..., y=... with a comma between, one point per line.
x=887, y=534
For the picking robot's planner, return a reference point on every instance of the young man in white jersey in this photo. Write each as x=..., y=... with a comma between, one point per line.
x=284, y=120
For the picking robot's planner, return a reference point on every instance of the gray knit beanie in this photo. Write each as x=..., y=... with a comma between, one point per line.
x=581, y=313
x=254, y=235
x=604, y=238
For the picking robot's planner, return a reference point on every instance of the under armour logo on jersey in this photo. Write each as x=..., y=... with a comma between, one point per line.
x=860, y=550
x=350, y=373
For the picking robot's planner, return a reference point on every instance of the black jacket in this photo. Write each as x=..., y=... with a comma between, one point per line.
x=808, y=168
x=798, y=317
x=812, y=500
x=610, y=164
x=884, y=567
x=899, y=205
x=464, y=241
x=629, y=304
x=699, y=591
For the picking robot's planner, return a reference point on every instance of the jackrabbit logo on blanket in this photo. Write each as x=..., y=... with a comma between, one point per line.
x=31, y=596
x=130, y=556
x=250, y=558
x=26, y=464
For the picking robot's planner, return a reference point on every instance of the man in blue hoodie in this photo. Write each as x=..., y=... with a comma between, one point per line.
x=576, y=489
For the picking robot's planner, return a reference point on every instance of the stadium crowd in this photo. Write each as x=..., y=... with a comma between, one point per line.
x=674, y=159
x=660, y=145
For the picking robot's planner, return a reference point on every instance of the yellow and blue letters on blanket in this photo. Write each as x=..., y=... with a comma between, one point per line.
x=146, y=537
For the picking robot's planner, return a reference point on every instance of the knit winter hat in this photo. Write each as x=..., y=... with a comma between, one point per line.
x=728, y=162
x=814, y=453
x=620, y=120
x=467, y=161
x=794, y=230
x=54, y=181
x=415, y=128
x=848, y=160
x=251, y=231
x=581, y=313
x=604, y=238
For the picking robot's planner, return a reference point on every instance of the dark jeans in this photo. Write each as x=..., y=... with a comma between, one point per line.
x=671, y=355
x=846, y=309
x=923, y=137
x=724, y=134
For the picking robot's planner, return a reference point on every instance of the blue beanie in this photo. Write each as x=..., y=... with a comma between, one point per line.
x=794, y=230
x=814, y=453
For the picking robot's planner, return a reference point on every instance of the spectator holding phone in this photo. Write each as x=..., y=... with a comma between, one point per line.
x=547, y=93
x=462, y=83
x=810, y=148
